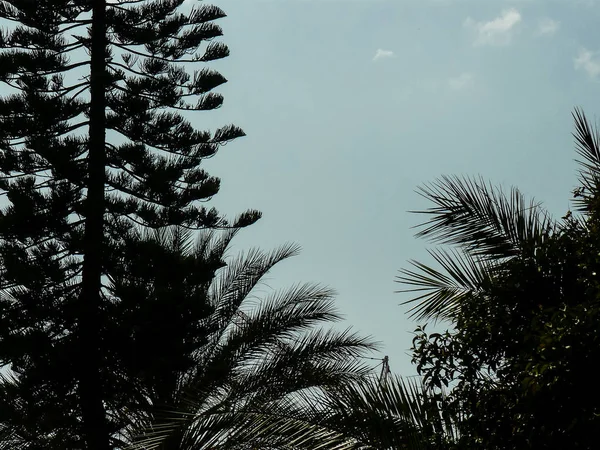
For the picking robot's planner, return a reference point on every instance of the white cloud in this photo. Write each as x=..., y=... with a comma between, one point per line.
x=547, y=27
x=383, y=54
x=497, y=31
x=460, y=82
x=589, y=62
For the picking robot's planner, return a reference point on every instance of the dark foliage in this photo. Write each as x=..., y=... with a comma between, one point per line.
x=96, y=141
x=259, y=375
x=521, y=293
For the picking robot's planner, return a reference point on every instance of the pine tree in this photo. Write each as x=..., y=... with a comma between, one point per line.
x=95, y=141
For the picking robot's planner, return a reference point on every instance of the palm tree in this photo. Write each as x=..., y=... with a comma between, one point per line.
x=396, y=414
x=486, y=226
x=507, y=257
x=267, y=376
x=251, y=354
x=219, y=363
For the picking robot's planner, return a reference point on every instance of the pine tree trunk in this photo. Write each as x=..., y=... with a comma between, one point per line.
x=91, y=391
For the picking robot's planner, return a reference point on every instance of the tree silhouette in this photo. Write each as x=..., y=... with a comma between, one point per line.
x=96, y=140
x=239, y=376
x=520, y=291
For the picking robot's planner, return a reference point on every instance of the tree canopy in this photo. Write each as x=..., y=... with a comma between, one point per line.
x=97, y=141
x=520, y=292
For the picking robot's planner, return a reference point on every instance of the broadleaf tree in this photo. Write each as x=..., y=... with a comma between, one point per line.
x=520, y=294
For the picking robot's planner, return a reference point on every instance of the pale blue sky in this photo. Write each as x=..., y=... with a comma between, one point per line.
x=349, y=105
x=338, y=139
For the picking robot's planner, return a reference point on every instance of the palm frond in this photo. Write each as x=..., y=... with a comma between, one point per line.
x=278, y=424
x=390, y=416
x=443, y=293
x=264, y=359
x=279, y=318
x=321, y=358
x=295, y=309
x=587, y=146
x=482, y=219
x=363, y=415
x=242, y=275
x=287, y=426
x=211, y=245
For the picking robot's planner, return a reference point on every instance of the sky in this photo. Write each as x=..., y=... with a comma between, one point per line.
x=350, y=105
